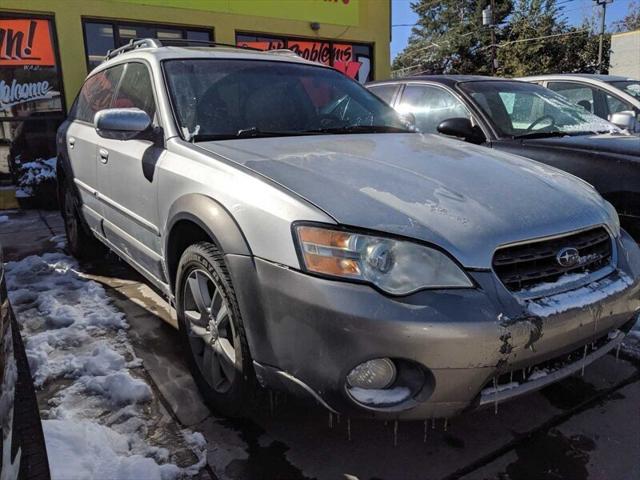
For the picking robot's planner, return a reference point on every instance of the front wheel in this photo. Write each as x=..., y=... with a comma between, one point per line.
x=80, y=244
x=212, y=331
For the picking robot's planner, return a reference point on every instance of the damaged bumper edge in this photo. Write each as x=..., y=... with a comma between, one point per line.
x=501, y=393
x=307, y=333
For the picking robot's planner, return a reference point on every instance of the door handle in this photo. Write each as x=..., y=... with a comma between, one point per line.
x=104, y=155
x=72, y=142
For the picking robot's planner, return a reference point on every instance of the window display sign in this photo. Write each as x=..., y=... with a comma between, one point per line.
x=25, y=42
x=29, y=76
x=31, y=105
x=351, y=59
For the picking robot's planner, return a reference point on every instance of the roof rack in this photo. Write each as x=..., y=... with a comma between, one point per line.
x=133, y=45
x=156, y=43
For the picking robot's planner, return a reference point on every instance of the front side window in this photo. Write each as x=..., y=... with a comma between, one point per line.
x=221, y=99
x=431, y=106
x=582, y=95
x=385, y=92
x=520, y=109
x=97, y=93
x=615, y=105
x=630, y=87
x=135, y=90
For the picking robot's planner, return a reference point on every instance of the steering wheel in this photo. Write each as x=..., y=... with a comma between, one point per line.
x=540, y=119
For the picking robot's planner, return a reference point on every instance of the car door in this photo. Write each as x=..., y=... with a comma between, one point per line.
x=82, y=140
x=431, y=105
x=127, y=182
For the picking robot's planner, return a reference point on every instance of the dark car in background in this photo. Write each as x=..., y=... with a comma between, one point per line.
x=529, y=120
x=607, y=96
x=23, y=455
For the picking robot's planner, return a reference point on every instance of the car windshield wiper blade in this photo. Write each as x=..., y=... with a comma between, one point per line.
x=361, y=129
x=555, y=133
x=252, y=132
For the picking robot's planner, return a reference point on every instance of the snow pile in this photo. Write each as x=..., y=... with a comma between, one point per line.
x=373, y=396
x=98, y=423
x=4, y=218
x=588, y=295
x=32, y=174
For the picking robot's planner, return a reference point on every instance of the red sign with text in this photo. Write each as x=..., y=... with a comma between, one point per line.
x=25, y=42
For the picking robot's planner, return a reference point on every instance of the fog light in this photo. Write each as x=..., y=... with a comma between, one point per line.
x=375, y=374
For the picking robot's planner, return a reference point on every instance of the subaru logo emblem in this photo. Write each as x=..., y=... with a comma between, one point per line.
x=568, y=257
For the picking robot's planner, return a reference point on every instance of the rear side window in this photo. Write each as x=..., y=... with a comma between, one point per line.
x=97, y=93
x=135, y=90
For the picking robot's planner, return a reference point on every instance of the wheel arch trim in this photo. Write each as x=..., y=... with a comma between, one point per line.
x=213, y=218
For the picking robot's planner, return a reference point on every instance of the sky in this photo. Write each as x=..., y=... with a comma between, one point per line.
x=574, y=10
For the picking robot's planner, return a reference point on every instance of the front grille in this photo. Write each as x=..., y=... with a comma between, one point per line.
x=528, y=265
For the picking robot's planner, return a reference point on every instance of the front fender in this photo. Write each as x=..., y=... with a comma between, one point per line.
x=213, y=218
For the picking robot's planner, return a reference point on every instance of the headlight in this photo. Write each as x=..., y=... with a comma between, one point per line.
x=395, y=266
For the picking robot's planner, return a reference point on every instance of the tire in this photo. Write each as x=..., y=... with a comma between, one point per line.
x=82, y=245
x=212, y=332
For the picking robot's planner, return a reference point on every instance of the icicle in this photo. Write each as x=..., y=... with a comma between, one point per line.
x=495, y=399
x=618, y=351
x=395, y=433
x=338, y=418
x=349, y=428
x=524, y=375
x=271, y=402
x=511, y=377
x=426, y=428
x=330, y=420
x=446, y=422
x=584, y=355
x=433, y=423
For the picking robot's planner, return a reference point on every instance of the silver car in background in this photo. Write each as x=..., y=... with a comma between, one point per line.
x=611, y=97
x=311, y=242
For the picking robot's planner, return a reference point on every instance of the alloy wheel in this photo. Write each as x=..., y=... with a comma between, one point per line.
x=210, y=329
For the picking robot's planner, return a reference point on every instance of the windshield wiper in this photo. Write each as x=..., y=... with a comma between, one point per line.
x=361, y=129
x=555, y=133
x=251, y=132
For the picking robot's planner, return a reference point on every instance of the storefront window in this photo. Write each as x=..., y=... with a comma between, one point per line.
x=351, y=59
x=100, y=36
x=31, y=98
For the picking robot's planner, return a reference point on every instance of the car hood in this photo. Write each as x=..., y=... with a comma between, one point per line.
x=627, y=145
x=465, y=198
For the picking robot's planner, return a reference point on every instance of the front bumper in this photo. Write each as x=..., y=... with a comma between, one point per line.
x=307, y=333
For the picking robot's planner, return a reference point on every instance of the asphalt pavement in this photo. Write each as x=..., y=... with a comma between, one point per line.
x=585, y=427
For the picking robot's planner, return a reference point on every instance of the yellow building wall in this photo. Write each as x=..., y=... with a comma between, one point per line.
x=373, y=27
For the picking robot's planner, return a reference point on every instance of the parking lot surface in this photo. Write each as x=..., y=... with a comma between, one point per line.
x=585, y=427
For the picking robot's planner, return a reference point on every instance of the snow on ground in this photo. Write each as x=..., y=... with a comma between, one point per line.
x=4, y=218
x=99, y=422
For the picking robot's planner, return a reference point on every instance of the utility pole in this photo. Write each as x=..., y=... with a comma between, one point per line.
x=603, y=3
x=488, y=19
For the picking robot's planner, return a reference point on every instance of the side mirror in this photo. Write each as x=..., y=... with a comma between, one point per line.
x=624, y=120
x=461, y=128
x=121, y=123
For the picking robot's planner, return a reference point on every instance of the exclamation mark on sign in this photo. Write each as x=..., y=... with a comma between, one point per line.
x=30, y=36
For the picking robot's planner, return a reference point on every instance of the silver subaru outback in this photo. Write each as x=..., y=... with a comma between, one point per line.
x=312, y=242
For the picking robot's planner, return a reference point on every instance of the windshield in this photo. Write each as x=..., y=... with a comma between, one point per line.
x=520, y=109
x=217, y=99
x=630, y=87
